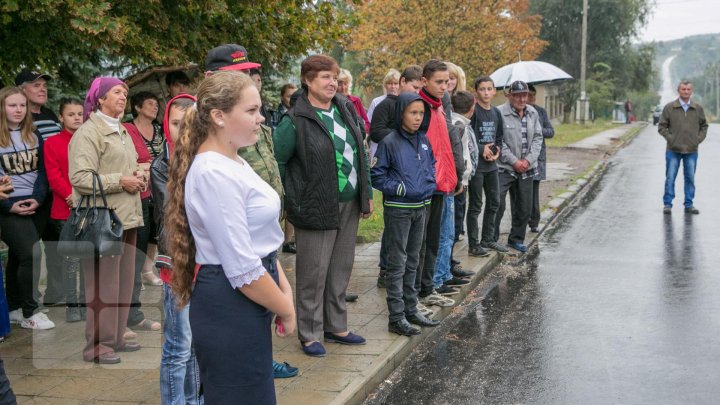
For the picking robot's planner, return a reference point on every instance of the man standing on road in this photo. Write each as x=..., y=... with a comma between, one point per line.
x=684, y=127
x=522, y=141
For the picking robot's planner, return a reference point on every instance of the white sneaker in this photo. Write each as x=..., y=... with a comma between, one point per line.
x=16, y=316
x=438, y=300
x=38, y=321
x=425, y=311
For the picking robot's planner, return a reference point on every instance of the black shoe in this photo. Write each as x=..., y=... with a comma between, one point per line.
x=289, y=247
x=457, y=271
x=534, y=229
x=381, y=278
x=446, y=290
x=351, y=297
x=419, y=319
x=456, y=282
x=403, y=328
x=692, y=210
x=494, y=246
x=478, y=251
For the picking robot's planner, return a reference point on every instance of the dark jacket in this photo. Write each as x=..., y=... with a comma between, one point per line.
x=305, y=155
x=683, y=131
x=383, y=120
x=404, y=165
x=158, y=187
x=455, y=134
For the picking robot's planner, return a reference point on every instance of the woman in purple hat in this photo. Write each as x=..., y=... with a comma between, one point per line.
x=101, y=145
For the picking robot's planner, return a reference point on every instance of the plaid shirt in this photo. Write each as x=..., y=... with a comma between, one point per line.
x=525, y=143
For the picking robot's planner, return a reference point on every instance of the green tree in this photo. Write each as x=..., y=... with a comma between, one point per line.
x=75, y=39
x=612, y=26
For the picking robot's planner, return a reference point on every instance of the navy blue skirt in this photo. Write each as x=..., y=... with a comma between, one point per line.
x=232, y=340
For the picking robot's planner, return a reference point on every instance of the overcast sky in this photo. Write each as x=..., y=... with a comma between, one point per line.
x=673, y=19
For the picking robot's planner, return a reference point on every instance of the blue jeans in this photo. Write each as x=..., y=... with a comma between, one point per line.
x=179, y=374
x=447, y=236
x=672, y=166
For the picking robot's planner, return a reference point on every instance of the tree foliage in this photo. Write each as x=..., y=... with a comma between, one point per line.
x=477, y=35
x=612, y=26
x=73, y=38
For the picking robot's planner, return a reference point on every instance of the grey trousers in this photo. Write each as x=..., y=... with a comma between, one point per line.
x=521, y=195
x=323, y=262
x=404, y=232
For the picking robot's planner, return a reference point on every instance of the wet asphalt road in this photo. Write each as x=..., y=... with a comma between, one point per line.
x=618, y=304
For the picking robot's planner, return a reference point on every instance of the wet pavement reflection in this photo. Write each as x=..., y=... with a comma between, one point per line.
x=617, y=304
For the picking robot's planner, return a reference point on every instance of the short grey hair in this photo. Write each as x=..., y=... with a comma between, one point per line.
x=684, y=82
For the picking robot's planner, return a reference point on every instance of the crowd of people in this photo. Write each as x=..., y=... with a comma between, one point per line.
x=209, y=195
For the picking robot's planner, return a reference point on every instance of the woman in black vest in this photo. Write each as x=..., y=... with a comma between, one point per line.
x=322, y=159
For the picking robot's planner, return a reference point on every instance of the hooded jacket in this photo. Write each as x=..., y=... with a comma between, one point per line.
x=404, y=166
x=158, y=185
x=439, y=136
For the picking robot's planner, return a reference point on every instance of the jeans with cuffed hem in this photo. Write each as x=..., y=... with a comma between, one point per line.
x=447, y=236
x=672, y=167
x=403, y=236
x=179, y=375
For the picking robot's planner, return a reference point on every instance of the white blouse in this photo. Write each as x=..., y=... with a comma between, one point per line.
x=233, y=216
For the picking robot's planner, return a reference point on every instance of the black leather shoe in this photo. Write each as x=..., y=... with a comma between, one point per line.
x=403, y=327
x=351, y=297
x=289, y=247
x=457, y=271
x=419, y=319
x=107, y=358
x=129, y=347
x=454, y=282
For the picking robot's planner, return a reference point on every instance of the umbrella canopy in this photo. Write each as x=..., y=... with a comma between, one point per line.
x=534, y=72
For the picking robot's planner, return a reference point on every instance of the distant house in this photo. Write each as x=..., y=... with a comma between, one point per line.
x=547, y=97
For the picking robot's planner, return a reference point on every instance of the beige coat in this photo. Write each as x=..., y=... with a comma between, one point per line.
x=97, y=148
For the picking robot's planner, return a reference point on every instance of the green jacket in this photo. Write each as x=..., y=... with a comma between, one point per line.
x=683, y=131
x=261, y=158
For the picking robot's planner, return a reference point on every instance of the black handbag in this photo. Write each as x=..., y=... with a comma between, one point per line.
x=92, y=230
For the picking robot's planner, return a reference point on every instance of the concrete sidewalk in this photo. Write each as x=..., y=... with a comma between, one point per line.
x=45, y=367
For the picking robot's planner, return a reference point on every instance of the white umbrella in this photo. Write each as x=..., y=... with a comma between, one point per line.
x=529, y=72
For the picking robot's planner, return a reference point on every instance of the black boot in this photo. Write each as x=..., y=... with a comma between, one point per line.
x=403, y=327
x=419, y=319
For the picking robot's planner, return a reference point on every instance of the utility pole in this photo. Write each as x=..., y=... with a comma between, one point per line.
x=583, y=105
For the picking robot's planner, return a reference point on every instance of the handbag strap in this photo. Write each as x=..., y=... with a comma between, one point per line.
x=96, y=177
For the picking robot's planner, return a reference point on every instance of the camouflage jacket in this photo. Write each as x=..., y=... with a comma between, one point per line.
x=261, y=158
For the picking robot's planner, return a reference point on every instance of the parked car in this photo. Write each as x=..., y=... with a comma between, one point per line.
x=656, y=114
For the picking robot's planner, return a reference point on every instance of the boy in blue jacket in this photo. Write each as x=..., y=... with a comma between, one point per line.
x=404, y=171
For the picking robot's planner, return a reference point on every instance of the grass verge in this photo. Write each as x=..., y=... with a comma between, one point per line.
x=565, y=134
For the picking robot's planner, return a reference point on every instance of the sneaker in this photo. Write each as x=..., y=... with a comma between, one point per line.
x=457, y=271
x=425, y=311
x=284, y=370
x=478, y=251
x=518, y=246
x=667, y=209
x=446, y=290
x=692, y=210
x=438, y=300
x=16, y=316
x=495, y=246
x=39, y=321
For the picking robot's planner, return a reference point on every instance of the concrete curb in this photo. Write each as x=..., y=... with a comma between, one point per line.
x=357, y=391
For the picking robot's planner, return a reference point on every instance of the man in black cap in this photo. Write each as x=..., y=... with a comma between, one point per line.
x=35, y=87
x=522, y=141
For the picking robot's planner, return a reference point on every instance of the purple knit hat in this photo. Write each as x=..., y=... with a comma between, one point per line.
x=99, y=87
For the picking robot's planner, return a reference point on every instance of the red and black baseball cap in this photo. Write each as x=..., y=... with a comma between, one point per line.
x=28, y=76
x=229, y=57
